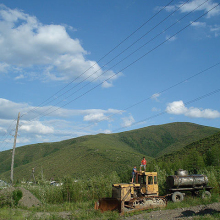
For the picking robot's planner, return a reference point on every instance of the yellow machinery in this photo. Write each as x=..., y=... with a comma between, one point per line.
x=141, y=195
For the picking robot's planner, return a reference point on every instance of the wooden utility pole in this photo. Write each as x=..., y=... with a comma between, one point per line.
x=33, y=176
x=13, y=152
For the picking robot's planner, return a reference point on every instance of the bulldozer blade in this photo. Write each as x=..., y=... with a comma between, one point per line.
x=137, y=204
x=108, y=204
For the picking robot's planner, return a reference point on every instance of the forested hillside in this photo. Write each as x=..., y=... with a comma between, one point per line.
x=158, y=140
x=102, y=153
x=202, y=157
x=84, y=156
x=197, y=155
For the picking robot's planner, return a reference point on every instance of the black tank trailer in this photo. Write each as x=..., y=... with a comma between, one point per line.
x=182, y=182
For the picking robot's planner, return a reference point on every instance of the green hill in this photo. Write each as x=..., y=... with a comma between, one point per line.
x=88, y=155
x=102, y=153
x=199, y=154
x=158, y=140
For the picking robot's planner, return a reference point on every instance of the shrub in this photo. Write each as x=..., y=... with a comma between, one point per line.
x=86, y=189
x=6, y=199
x=17, y=195
x=161, y=175
x=10, y=197
x=213, y=176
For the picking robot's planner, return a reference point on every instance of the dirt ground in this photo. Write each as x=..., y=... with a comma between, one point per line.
x=180, y=213
x=172, y=214
x=28, y=200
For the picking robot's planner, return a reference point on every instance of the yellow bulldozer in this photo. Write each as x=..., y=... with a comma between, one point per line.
x=129, y=197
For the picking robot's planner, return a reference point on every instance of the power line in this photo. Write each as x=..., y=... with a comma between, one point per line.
x=7, y=134
x=162, y=91
x=146, y=53
x=101, y=58
x=119, y=55
x=164, y=112
x=159, y=93
x=122, y=53
x=132, y=62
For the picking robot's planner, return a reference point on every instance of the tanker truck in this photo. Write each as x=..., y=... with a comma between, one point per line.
x=182, y=182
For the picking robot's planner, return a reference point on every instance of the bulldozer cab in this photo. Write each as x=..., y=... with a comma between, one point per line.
x=148, y=183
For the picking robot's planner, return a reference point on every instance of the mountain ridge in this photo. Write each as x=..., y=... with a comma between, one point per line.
x=102, y=153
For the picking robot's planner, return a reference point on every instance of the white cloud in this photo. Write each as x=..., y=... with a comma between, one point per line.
x=216, y=30
x=111, y=76
x=20, y=77
x=107, y=131
x=9, y=110
x=155, y=96
x=198, y=24
x=2, y=131
x=94, y=117
x=106, y=84
x=97, y=115
x=127, y=121
x=21, y=140
x=61, y=124
x=4, y=67
x=35, y=127
x=200, y=113
x=197, y=5
x=191, y=5
x=169, y=38
x=204, y=7
x=27, y=43
x=178, y=108
x=210, y=29
x=168, y=8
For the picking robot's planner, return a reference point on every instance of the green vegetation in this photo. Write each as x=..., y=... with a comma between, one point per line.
x=201, y=157
x=73, y=199
x=73, y=190
x=76, y=199
x=17, y=195
x=88, y=166
x=10, y=198
x=158, y=140
x=102, y=153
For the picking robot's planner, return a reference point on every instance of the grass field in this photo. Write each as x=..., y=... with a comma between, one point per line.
x=85, y=210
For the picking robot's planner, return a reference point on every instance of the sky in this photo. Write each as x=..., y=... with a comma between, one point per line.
x=80, y=67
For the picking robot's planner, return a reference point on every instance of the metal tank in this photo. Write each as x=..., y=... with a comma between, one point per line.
x=181, y=179
x=181, y=172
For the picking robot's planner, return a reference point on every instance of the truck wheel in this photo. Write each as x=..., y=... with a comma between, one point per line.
x=206, y=195
x=177, y=197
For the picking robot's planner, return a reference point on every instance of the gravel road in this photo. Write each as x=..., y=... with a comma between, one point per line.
x=180, y=213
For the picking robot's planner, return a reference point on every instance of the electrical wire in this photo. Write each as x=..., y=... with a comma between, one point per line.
x=164, y=112
x=123, y=52
x=132, y=62
x=7, y=134
x=140, y=57
x=159, y=93
x=46, y=101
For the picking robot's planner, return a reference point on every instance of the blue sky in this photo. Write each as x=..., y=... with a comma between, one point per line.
x=74, y=68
